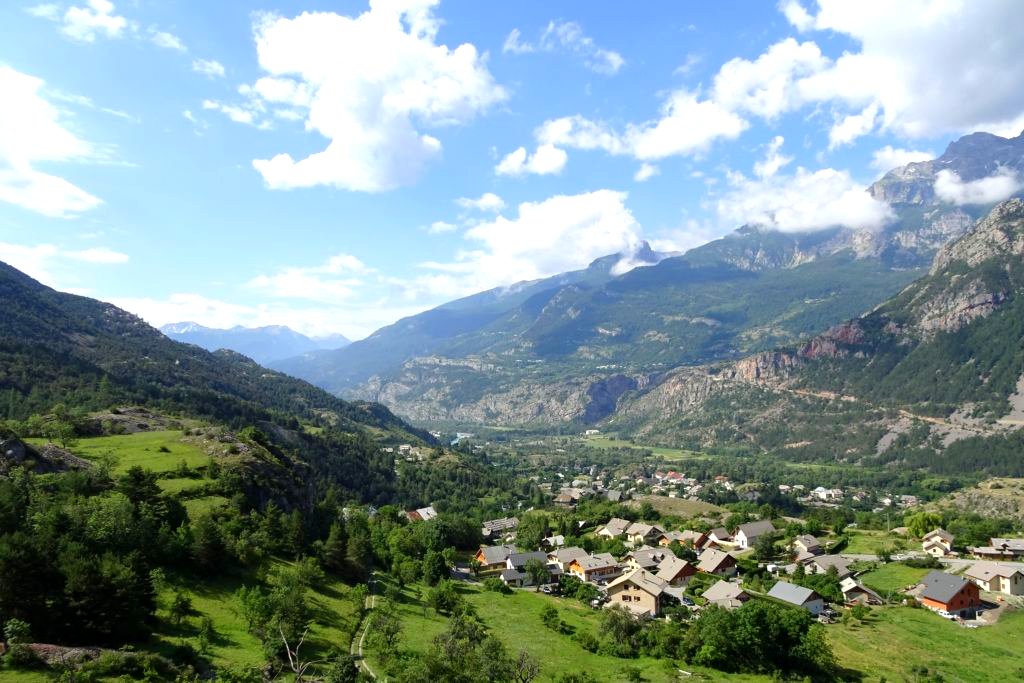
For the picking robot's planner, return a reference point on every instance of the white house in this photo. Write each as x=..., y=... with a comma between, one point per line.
x=747, y=534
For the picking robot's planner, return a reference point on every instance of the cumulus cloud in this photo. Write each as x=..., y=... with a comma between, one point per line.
x=545, y=160
x=918, y=63
x=645, y=172
x=488, y=201
x=97, y=18
x=801, y=202
x=769, y=85
x=45, y=262
x=773, y=160
x=889, y=157
x=562, y=233
x=441, y=227
x=166, y=40
x=31, y=133
x=687, y=125
x=210, y=68
x=569, y=36
x=368, y=84
x=995, y=188
x=337, y=279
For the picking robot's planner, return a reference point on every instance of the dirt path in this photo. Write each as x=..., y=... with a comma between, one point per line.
x=356, y=647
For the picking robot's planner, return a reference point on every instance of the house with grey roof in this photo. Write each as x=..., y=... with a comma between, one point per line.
x=949, y=593
x=563, y=557
x=595, y=568
x=997, y=578
x=798, y=596
x=641, y=532
x=675, y=571
x=747, y=534
x=726, y=594
x=493, y=557
x=937, y=543
x=807, y=544
x=515, y=573
x=499, y=528
x=639, y=591
x=820, y=564
x=854, y=592
x=615, y=528
x=716, y=562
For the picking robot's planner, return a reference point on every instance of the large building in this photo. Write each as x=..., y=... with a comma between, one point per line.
x=639, y=591
x=997, y=578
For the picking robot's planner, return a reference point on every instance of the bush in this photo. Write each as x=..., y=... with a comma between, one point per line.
x=495, y=584
x=587, y=640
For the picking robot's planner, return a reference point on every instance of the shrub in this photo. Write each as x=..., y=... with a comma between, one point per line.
x=495, y=584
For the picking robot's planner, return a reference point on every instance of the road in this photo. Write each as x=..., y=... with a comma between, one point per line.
x=356, y=648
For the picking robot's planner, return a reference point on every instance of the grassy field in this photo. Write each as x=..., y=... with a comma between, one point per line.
x=896, y=639
x=143, y=449
x=515, y=619
x=335, y=614
x=680, y=507
x=892, y=577
x=667, y=453
x=867, y=541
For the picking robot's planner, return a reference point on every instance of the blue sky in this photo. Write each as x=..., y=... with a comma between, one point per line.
x=334, y=166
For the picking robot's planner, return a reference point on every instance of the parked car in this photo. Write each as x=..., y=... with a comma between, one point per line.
x=687, y=601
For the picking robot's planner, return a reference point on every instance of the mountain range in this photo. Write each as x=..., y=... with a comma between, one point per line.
x=568, y=348
x=262, y=344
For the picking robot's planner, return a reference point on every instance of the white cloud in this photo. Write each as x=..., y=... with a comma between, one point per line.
x=47, y=262
x=769, y=85
x=564, y=232
x=488, y=201
x=167, y=40
x=930, y=67
x=336, y=280
x=688, y=125
x=995, y=188
x=773, y=160
x=210, y=68
x=569, y=36
x=545, y=160
x=887, y=158
x=440, y=227
x=85, y=23
x=368, y=84
x=31, y=133
x=853, y=126
x=103, y=255
x=803, y=201
x=646, y=172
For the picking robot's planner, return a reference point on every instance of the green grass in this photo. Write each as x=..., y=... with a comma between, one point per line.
x=515, y=619
x=679, y=507
x=177, y=485
x=143, y=449
x=335, y=617
x=892, y=577
x=197, y=506
x=866, y=542
x=896, y=639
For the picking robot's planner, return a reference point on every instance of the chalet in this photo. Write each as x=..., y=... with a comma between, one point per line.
x=614, y=496
x=798, y=596
x=556, y=541
x=726, y=594
x=956, y=595
x=1001, y=549
x=997, y=578
x=563, y=557
x=685, y=537
x=639, y=591
x=422, y=514
x=820, y=564
x=615, y=528
x=675, y=572
x=747, y=534
x=640, y=533
x=719, y=535
x=515, y=573
x=646, y=557
x=938, y=543
x=493, y=557
x=807, y=544
x=499, y=528
x=855, y=593
x=567, y=499
x=595, y=568
x=717, y=562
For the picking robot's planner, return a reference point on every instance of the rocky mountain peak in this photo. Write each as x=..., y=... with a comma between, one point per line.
x=1001, y=232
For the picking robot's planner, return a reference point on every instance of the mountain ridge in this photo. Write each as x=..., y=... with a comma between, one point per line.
x=263, y=344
